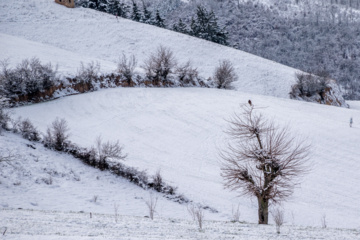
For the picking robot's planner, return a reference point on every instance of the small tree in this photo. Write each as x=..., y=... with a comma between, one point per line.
x=147, y=14
x=278, y=216
x=264, y=161
x=135, y=14
x=151, y=204
x=126, y=68
x=160, y=65
x=224, y=75
x=57, y=135
x=106, y=150
x=159, y=21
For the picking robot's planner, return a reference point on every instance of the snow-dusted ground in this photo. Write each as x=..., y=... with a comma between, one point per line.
x=176, y=130
x=86, y=34
x=50, y=225
x=42, y=179
x=180, y=131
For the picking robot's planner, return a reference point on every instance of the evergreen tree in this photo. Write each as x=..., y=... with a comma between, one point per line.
x=118, y=8
x=94, y=4
x=135, y=15
x=205, y=26
x=147, y=14
x=103, y=5
x=181, y=27
x=158, y=20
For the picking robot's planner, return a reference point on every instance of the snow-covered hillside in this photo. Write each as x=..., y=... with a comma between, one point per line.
x=180, y=131
x=176, y=130
x=92, y=34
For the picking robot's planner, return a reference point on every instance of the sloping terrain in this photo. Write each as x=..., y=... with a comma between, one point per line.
x=178, y=131
x=41, y=179
x=181, y=130
x=93, y=34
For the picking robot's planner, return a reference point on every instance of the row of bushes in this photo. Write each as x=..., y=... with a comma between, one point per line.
x=32, y=81
x=104, y=155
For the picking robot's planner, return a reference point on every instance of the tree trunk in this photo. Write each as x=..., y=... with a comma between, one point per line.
x=263, y=210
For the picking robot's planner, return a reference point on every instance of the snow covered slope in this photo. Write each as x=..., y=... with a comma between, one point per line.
x=42, y=179
x=93, y=34
x=180, y=131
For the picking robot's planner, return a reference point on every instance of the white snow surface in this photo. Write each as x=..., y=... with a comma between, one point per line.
x=85, y=34
x=181, y=130
x=50, y=225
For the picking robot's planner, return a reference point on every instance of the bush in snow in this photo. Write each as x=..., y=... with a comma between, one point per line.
x=57, y=136
x=4, y=114
x=29, y=77
x=126, y=68
x=28, y=131
x=108, y=150
x=187, y=75
x=309, y=84
x=88, y=74
x=157, y=181
x=224, y=75
x=159, y=66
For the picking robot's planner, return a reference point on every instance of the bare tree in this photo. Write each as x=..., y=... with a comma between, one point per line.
x=224, y=75
x=57, y=135
x=106, y=150
x=126, y=67
x=264, y=160
x=7, y=156
x=235, y=213
x=197, y=214
x=151, y=204
x=159, y=65
x=278, y=216
x=116, y=212
x=323, y=221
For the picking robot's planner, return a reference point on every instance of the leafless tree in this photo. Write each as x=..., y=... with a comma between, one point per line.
x=323, y=221
x=264, y=160
x=197, y=214
x=160, y=65
x=116, y=212
x=126, y=67
x=187, y=74
x=224, y=75
x=105, y=150
x=151, y=204
x=57, y=135
x=235, y=213
x=278, y=216
x=88, y=73
x=7, y=156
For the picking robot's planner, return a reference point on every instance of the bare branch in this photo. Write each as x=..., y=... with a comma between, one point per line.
x=263, y=159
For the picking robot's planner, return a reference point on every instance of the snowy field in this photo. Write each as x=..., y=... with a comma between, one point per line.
x=178, y=131
x=85, y=34
x=51, y=225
